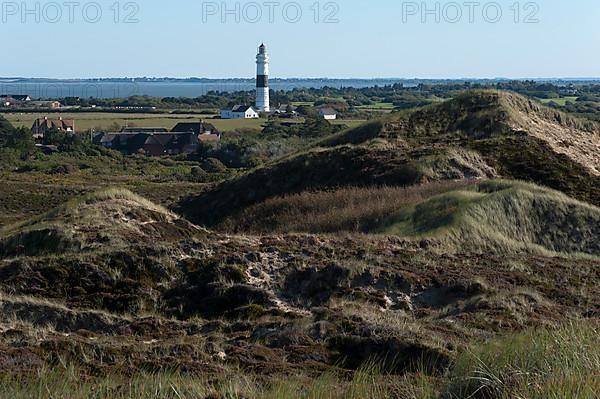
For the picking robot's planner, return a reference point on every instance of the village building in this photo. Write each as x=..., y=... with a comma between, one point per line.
x=240, y=112
x=286, y=111
x=182, y=143
x=328, y=113
x=22, y=98
x=150, y=144
x=209, y=137
x=8, y=100
x=42, y=125
x=46, y=104
x=195, y=127
x=123, y=142
x=206, y=132
x=149, y=130
x=184, y=138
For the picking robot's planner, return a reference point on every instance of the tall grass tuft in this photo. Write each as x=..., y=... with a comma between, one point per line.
x=348, y=209
x=545, y=363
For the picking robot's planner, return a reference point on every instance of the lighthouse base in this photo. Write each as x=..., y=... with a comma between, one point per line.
x=262, y=99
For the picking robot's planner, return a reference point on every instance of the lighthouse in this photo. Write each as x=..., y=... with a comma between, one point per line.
x=262, y=80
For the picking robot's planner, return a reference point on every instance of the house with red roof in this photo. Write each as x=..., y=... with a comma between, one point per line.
x=42, y=125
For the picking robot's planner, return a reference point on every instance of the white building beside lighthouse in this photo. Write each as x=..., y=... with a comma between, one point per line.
x=262, y=80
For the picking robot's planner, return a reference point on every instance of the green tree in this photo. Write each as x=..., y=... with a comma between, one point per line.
x=315, y=126
x=63, y=140
x=22, y=140
x=15, y=142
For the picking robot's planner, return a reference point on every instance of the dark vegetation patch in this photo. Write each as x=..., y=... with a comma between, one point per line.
x=37, y=243
x=360, y=298
x=394, y=355
x=211, y=289
x=120, y=282
x=314, y=286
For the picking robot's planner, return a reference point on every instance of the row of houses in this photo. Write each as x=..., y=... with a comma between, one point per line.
x=7, y=100
x=150, y=144
x=284, y=110
x=184, y=138
x=14, y=100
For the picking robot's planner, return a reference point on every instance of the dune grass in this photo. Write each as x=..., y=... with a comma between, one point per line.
x=539, y=364
x=501, y=216
x=437, y=213
x=560, y=362
x=68, y=381
x=350, y=209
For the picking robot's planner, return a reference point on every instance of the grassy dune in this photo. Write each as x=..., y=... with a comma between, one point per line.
x=494, y=215
x=503, y=216
x=82, y=210
x=480, y=134
x=111, y=217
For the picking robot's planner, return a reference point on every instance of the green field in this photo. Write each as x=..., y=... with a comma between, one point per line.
x=225, y=125
x=114, y=121
x=104, y=121
x=560, y=101
x=110, y=121
x=378, y=106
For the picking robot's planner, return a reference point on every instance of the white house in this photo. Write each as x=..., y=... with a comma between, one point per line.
x=328, y=113
x=240, y=112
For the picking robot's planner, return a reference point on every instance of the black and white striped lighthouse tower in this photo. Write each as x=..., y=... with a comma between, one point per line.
x=262, y=80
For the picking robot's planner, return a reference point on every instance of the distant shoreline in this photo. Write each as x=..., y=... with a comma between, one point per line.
x=41, y=88
x=316, y=79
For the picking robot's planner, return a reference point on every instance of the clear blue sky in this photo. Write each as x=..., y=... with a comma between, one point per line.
x=370, y=40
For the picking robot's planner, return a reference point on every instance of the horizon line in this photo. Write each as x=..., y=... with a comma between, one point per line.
x=305, y=78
